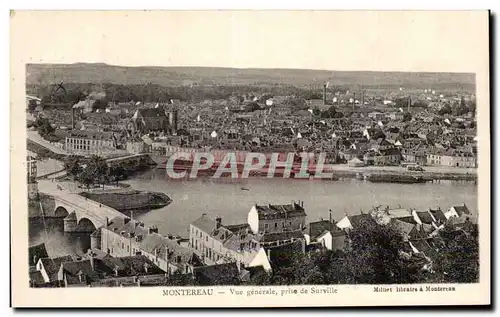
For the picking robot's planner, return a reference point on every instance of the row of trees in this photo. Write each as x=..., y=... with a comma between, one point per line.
x=374, y=258
x=96, y=171
x=73, y=93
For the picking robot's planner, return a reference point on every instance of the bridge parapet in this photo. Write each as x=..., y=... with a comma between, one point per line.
x=86, y=209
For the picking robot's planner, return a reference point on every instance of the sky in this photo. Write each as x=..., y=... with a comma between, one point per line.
x=331, y=40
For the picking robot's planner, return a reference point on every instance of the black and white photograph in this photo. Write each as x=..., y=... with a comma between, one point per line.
x=168, y=174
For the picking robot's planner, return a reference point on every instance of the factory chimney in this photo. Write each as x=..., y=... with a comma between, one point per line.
x=409, y=103
x=73, y=118
x=324, y=93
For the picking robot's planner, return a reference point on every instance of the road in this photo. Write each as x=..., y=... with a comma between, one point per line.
x=35, y=137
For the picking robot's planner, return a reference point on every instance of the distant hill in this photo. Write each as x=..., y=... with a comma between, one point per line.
x=180, y=76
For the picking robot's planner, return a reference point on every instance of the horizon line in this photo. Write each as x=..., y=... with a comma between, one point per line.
x=253, y=68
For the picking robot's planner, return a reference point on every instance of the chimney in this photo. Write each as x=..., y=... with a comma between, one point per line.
x=218, y=221
x=152, y=230
x=324, y=93
x=330, y=215
x=269, y=254
x=73, y=118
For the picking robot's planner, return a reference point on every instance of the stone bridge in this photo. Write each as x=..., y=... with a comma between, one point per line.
x=82, y=214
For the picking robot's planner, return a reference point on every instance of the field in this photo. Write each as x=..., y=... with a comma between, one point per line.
x=47, y=74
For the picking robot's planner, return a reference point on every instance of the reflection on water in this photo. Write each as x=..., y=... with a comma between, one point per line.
x=58, y=243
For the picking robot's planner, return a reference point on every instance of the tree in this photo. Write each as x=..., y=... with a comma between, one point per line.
x=98, y=169
x=373, y=256
x=43, y=127
x=458, y=260
x=86, y=178
x=117, y=173
x=73, y=166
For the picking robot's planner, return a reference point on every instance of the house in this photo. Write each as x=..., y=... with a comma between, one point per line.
x=396, y=115
x=403, y=227
x=326, y=234
x=438, y=215
x=49, y=267
x=349, y=222
x=433, y=158
x=414, y=156
x=458, y=159
x=277, y=218
x=125, y=237
x=276, y=238
x=390, y=156
x=457, y=211
x=77, y=273
x=375, y=115
x=90, y=142
x=168, y=254
x=137, y=147
x=147, y=120
x=96, y=271
x=217, y=243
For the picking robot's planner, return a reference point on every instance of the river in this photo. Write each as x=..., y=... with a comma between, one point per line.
x=225, y=198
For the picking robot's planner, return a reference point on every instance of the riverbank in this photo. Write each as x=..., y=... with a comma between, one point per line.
x=130, y=200
x=429, y=176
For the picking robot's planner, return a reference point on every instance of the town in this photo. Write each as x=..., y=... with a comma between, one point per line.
x=125, y=252
x=87, y=142
x=353, y=128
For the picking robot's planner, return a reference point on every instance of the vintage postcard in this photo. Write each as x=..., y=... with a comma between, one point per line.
x=250, y=158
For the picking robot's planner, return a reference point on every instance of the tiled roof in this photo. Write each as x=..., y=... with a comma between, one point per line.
x=152, y=112
x=72, y=269
x=86, y=134
x=425, y=217
x=404, y=227
x=355, y=219
x=314, y=229
x=438, y=215
x=205, y=223
x=158, y=244
x=51, y=266
x=281, y=236
x=280, y=210
x=462, y=210
x=119, y=224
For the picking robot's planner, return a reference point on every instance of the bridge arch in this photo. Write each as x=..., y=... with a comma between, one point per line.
x=61, y=212
x=85, y=225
